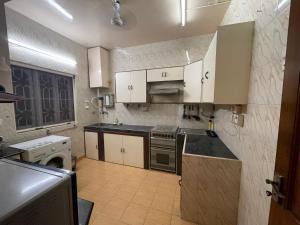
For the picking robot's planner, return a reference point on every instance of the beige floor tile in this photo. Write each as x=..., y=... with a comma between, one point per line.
x=143, y=198
x=115, y=208
x=176, y=220
x=102, y=219
x=163, y=203
x=156, y=217
x=134, y=215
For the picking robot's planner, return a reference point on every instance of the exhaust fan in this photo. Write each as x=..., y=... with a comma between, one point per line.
x=117, y=20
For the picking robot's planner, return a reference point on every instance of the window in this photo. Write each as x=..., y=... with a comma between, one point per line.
x=48, y=98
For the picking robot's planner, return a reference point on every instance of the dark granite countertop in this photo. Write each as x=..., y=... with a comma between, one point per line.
x=9, y=152
x=207, y=146
x=120, y=128
x=84, y=211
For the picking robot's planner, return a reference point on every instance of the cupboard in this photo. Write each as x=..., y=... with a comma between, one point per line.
x=91, y=145
x=165, y=74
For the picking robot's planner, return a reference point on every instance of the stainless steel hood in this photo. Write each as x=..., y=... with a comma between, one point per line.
x=164, y=91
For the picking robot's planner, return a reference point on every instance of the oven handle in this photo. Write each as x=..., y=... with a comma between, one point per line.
x=163, y=149
x=163, y=139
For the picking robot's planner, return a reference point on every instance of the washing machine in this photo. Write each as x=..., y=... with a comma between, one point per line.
x=52, y=151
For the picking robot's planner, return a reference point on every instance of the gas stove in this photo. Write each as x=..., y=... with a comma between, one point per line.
x=166, y=132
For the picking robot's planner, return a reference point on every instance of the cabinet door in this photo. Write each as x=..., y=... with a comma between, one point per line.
x=98, y=67
x=138, y=86
x=123, y=87
x=113, y=144
x=91, y=145
x=155, y=75
x=192, y=82
x=134, y=151
x=173, y=73
x=209, y=72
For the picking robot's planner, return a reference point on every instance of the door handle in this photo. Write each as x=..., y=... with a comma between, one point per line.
x=206, y=75
x=276, y=188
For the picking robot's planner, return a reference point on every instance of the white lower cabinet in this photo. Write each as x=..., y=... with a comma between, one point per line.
x=124, y=149
x=91, y=145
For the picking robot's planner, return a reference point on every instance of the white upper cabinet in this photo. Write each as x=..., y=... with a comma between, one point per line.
x=227, y=65
x=165, y=74
x=192, y=82
x=131, y=87
x=98, y=67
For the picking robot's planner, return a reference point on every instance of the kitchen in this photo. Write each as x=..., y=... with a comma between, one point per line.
x=135, y=92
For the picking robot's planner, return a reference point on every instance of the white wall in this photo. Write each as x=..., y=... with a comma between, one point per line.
x=25, y=30
x=255, y=144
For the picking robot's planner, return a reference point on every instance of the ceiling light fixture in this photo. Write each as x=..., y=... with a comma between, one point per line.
x=53, y=56
x=183, y=12
x=282, y=5
x=60, y=9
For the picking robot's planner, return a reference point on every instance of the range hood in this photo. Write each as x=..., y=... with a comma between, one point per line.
x=164, y=91
x=7, y=97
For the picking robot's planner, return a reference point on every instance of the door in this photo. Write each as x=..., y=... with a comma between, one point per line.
x=133, y=151
x=192, y=82
x=91, y=145
x=123, y=87
x=138, y=86
x=113, y=148
x=286, y=211
x=209, y=72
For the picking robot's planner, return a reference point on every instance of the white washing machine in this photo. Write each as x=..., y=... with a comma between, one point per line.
x=52, y=151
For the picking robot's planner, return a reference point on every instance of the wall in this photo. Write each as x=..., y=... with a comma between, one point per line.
x=255, y=143
x=156, y=55
x=25, y=30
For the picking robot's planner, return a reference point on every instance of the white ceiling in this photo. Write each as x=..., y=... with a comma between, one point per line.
x=146, y=21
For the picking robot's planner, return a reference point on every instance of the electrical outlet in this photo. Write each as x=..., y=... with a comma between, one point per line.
x=237, y=119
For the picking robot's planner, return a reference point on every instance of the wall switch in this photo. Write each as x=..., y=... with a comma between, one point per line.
x=237, y=119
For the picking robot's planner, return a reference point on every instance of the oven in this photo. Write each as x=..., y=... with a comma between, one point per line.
x=163, y=149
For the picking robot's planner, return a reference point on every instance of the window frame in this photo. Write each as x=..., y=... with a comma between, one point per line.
x=59, y=126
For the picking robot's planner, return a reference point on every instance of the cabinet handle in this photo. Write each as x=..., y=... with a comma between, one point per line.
x=96, y=146
x=123, y=150
x=206, y=75
x=162, y=74
x=165, y=74
x=202, y=80
x=131, y=87
x=180, y=182
x=128, y=87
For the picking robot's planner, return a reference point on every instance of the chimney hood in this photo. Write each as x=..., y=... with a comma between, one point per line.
x=7, y=97
x=164, y=91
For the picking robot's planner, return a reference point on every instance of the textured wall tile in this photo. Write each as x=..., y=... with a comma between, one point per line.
x=255, y=144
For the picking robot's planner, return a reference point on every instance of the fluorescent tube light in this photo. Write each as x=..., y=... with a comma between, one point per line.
x=282, y=5
x=183, y=12
x=60, y=9
x=53, y=56
x=188, y=56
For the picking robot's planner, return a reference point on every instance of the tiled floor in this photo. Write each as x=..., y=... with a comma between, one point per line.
x=129, y=196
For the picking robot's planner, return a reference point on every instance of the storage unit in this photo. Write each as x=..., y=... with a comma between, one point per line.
x=165, y=74
x=192, y=82
x=91, y=145
x=98, y=67
x=124, y=149
x=131, y=87
x=227, y=65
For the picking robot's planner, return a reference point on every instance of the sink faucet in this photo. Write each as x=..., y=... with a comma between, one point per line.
x=116, y=121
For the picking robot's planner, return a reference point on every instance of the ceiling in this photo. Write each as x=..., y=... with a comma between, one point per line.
x=146, y=21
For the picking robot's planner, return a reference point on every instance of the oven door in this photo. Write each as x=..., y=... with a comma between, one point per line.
x=162, y=159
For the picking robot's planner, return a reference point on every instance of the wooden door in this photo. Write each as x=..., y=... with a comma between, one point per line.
x=133, y=151
x=192, y=82
x=113, y=148
x=209, y=72
x=91, y=145
x=286, y=211
x=123, y=87
x=173, y=73
x=138, y=86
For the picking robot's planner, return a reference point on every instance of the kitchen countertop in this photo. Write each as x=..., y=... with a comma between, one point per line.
x=9, y=152
x=207, y=146
x=124, y=127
